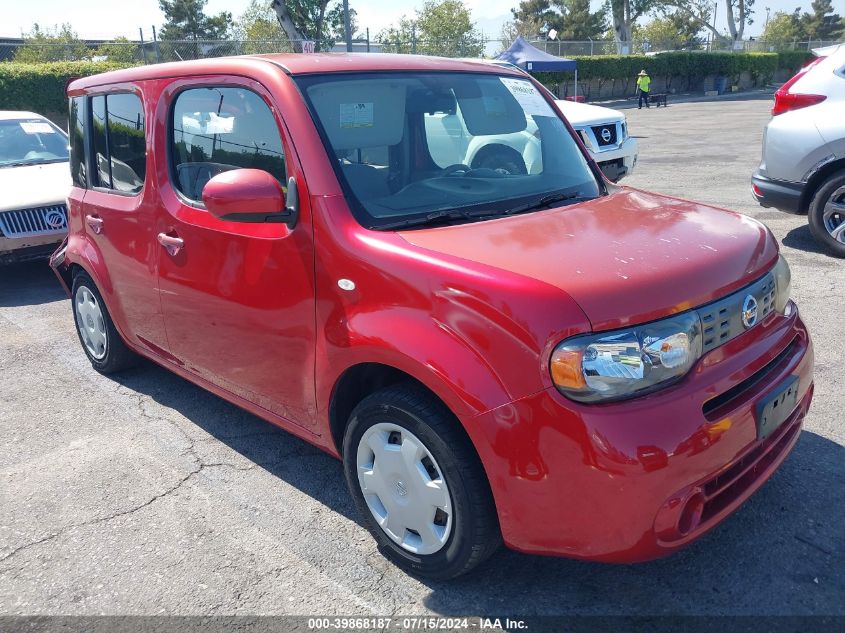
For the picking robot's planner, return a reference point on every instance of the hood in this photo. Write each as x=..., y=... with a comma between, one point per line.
x=34, y=185
x=626, y=258
x=579, y=114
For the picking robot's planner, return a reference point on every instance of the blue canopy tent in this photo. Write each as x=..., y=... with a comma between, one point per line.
x=532, y=59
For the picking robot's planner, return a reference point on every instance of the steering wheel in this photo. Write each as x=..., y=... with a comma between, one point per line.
x=457, y=167
x=500, y=158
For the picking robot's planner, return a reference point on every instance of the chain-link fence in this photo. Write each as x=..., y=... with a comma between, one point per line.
x=151, y=52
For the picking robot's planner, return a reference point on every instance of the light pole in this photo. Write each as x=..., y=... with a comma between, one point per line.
x=767, y=16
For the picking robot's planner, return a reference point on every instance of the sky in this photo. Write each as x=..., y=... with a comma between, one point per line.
x=89, y=19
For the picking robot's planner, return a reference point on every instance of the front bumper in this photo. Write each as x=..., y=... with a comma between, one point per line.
x=615, y=482
x=24, y=249
x=782, y=195
x=620, y=162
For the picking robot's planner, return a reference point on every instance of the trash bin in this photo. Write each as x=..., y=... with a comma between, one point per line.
x=721, y=85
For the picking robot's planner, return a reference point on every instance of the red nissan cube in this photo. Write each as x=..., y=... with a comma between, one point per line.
x=413, y=264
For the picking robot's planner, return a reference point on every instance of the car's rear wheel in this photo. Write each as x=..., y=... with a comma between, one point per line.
x=827, y=214
x=99, y=338
x=418, y=482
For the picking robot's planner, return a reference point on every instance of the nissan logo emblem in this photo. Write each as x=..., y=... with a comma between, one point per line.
x=749, y=311
x=605, y=134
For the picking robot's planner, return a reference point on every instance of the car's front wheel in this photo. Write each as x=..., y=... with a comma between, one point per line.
x=99, y=337
x=419, y=483
x=827, y=214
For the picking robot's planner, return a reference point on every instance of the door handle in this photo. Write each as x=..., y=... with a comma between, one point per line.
x=95, y=222
x=172, y=243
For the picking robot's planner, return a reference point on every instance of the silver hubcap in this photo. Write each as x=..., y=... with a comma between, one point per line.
x=834, y=215
x=404, y=488
x=90, y=322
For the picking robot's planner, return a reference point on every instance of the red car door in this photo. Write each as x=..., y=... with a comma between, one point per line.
x=118, y=215
x=238, y=298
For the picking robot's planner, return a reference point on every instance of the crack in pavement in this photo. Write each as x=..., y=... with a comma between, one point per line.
x=200, y=465
x=116, y=515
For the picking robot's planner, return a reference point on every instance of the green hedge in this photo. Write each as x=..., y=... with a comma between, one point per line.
x=41, y=87
x=686, y=66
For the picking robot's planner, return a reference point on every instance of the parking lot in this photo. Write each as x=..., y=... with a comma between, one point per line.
x=144, y=494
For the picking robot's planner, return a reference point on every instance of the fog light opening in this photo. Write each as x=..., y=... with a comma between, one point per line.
x=691, y=514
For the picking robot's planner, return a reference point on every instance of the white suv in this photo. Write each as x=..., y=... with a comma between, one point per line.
x=803, y=166
x=603, y=131
x=35, y=181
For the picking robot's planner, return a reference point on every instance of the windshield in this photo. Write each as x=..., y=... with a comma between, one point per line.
x=414, y=148
x=31, y=141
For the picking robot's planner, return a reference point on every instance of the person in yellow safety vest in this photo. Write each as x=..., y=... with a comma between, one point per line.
x=643, y=83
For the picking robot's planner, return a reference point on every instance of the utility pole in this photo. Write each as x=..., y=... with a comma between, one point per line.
x=155, y=45
x=347, y=26
x=143, y=47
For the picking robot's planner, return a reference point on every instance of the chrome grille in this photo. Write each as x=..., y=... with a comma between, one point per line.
x=32, y=222
x=722, y=321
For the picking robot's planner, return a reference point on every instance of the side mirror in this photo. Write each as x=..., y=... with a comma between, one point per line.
x=251, y=195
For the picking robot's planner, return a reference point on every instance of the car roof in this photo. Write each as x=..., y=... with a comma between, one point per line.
x=9, y=115
x=292, y=64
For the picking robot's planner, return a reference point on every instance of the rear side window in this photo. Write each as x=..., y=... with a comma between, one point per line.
x=117, y=137
x=218, y=129
x=76, y=129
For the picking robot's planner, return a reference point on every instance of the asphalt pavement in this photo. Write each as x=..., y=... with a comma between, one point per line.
x=144, y=494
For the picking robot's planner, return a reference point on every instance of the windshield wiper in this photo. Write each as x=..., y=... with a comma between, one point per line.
x=430, y=218
x=26, y=163
x=544, y=201
x=456, y=214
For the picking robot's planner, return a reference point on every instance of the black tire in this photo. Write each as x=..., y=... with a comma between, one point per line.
x=117, y=355
x=475, y=533
x=833, y=187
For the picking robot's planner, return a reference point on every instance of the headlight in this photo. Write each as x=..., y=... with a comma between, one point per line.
x=626, y=363
x=783, y=284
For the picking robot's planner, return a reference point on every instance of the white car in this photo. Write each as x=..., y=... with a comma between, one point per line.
x=803, y=166
x=603, y=131
x=34, y=181
x=605, y=134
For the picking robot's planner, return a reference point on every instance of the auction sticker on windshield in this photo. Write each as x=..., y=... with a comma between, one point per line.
x=356, y=114
x=37, y=127
x=528, y=97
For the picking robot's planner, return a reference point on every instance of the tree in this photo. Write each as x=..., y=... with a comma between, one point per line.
x=447, y=29
x=186, y=20
x=668, y=32
x=822, y=23
x=441, y=27
x=260, y=31
x=625, y=14
x=518, y=28
x=780, y=30
x=738, y=13
x=312, y=20
x=52, y=45
x=401, y=38
x=572, y=19
x=120, y=49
